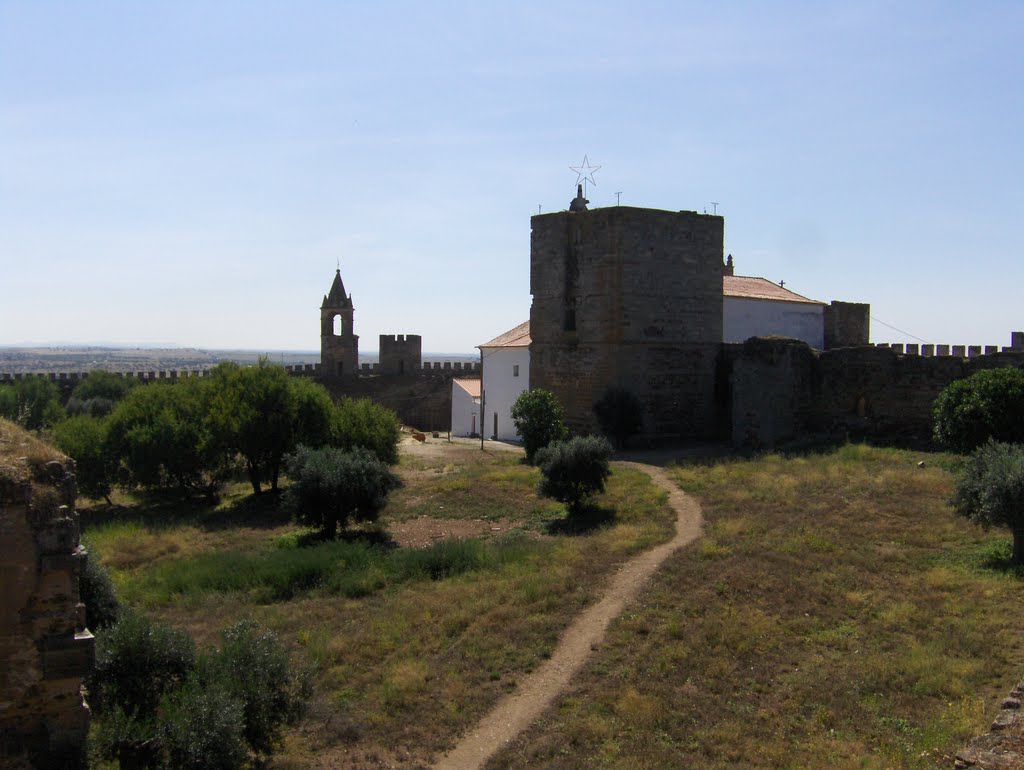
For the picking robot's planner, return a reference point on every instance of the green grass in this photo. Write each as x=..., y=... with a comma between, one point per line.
x=835, y=614
x=351, y=568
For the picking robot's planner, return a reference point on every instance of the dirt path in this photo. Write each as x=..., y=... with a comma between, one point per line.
x=516, y=711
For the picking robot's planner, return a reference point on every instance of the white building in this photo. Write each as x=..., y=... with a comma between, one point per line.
x=756, y=307
x=465, y=407
x=505, y=363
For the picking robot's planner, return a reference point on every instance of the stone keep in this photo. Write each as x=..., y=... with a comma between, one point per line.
x=339, y=347
x=628, y=297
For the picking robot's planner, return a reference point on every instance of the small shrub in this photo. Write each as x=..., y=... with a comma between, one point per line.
x=200, y=728
x=988, y=404
x=137, y=662
x=573, y=470
x=538, y=418
x=991, y=490
x=96, y=591
x=620, y=415
x=330, y=486
x=253, y=668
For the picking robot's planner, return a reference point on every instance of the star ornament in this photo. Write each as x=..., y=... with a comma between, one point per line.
x=585, y=171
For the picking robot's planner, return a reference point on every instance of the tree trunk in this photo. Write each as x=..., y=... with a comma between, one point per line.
x=1018, y=545
x=254, y=477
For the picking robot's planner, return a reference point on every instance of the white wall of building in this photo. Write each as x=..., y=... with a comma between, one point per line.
x=746, y=317
x=502, y=386
x=465, y=412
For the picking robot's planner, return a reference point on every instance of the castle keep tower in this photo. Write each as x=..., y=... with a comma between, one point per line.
x=339, y=347
x=628, y=297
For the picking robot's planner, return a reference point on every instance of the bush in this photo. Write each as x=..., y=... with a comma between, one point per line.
x=537, y=416
x=330, y=486
x=96, y=591
x=252, y=667
x=990, y=491
x=200, y=728
x=85, y=440
x=988, y=404
x=137, y=663
x=573, y=470
x=362, y=423
x=620, y=415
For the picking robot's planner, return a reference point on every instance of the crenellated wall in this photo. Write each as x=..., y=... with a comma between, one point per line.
x=782, y=390
x=45, y=646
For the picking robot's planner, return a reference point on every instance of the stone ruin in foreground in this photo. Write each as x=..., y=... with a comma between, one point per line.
x=45, y=646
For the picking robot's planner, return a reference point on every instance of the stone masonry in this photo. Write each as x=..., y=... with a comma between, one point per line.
x=628, y=297
x=44, y=644
x=339, y=348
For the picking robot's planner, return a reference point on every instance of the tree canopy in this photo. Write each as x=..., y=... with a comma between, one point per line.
x=988, y=404
x=990, y=491
x=538, y=418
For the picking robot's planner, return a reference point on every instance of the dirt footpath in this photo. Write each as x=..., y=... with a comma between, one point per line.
x=516, y=711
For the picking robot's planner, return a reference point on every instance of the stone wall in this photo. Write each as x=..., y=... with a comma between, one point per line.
x=628, y=297
x=44, y=644
x=781, y=390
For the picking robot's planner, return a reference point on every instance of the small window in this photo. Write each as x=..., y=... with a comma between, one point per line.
x=515, y=370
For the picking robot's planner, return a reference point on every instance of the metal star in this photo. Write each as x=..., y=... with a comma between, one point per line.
x=585, y=172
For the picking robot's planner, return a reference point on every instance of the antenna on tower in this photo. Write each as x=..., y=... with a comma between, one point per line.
x=617, y=197
x=715, y=204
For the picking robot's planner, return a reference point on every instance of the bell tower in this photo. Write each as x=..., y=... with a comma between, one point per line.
x=339, y=347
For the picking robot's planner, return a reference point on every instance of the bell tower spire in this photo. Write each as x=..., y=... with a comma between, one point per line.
x=339, y=345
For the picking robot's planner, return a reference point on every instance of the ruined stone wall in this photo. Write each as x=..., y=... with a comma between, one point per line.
x=44, y=644
x=400, y=354
x=633, y=298
x=861, y=392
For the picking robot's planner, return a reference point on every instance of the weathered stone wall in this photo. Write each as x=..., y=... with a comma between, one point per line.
x=863, y=392
x=629, y=297
x=44, y=644
x=400, y=354
x=847, y=324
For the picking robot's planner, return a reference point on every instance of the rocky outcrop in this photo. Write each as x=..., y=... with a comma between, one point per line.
x=44, y=644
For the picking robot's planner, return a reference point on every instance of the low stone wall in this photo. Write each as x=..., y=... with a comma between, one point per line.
x=44, y=644
x=1002, y=748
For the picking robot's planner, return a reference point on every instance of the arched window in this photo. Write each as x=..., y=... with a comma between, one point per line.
x=338, y=326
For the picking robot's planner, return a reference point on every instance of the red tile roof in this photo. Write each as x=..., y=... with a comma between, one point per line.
x=760, y=288
x=513, y=338
x=472, y=387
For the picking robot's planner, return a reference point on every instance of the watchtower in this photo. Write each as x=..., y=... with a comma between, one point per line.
x=339, y=347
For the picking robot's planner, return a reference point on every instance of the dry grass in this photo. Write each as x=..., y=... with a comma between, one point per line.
x=836, y=614
x=406, y=668
x=22, y=455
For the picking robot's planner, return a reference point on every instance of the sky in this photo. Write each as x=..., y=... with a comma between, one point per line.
x=192, y=173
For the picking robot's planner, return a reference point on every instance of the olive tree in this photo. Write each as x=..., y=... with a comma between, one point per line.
x=573, y=470
x=990, y=490
x=538, y=418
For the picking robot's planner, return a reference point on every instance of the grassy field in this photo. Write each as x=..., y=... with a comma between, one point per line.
x=410, y=645
x=835, y=614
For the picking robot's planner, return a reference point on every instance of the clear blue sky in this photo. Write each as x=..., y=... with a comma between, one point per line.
x=189, y=173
